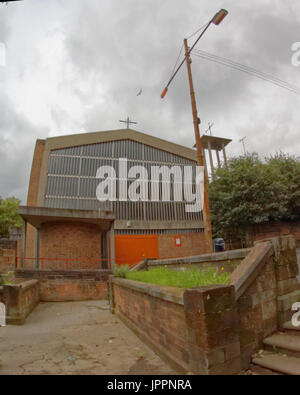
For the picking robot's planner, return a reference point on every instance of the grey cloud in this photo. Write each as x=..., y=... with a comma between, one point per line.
x=120, y=46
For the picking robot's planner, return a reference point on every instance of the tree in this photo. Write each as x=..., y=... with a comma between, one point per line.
x=9, y=217
x=251, y=191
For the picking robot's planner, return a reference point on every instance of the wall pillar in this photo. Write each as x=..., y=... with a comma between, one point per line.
x=224, y=155
x=23, y=241
x=211, y=162
x=218, y=158
x=112, y=254
x=37, y=248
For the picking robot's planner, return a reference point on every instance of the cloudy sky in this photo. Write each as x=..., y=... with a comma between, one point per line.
x=75, y=66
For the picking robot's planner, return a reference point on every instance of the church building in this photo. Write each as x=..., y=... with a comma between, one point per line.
x=66, y=223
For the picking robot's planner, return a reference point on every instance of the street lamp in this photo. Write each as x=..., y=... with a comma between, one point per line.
x=217, y=19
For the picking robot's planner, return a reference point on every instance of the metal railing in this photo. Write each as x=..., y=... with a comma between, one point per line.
x=62, y=264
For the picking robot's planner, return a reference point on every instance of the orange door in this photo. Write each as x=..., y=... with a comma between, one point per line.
x=131, y=249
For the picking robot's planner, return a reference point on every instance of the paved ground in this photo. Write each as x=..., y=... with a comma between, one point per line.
x=75, y=338
x=298, y=258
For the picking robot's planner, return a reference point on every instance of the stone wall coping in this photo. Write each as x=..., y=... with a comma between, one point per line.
x=21, y=270
x=243, y=276
x=170, y=294
x=215, y=257
x=24, y=284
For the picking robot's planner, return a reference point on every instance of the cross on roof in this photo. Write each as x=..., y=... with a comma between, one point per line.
x=128, y=122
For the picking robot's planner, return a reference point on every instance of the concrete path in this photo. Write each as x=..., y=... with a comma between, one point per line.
x=75, y=338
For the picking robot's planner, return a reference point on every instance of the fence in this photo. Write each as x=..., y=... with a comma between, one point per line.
x=61, y=264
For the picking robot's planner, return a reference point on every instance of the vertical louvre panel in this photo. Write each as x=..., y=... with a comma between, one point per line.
x=72, y=180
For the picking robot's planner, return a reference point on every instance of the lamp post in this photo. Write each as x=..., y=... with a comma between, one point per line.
x=217, y=19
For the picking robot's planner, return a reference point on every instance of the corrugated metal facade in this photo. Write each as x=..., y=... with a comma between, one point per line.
x=72, y=181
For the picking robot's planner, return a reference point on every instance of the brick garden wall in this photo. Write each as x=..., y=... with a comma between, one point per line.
x=226, y=261
x=271, y=287
x=265, y=231
x=60, y=285
x=159, y=321
x=72, y=290
x=195, y=331
x=20, y=299
x=216, y=329
x=257, y=309
x=274, y=229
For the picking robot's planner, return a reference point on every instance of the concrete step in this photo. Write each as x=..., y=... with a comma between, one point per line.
x=260, y=371
x=290, y=328
x=285, y=343
x=278, y=363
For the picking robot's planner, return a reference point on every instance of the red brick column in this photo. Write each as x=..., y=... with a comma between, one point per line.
x=213, y=330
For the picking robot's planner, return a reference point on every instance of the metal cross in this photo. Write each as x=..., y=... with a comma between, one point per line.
x=128, y=122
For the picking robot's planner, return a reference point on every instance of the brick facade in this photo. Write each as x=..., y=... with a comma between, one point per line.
x=32, y=197
x=70, y=240
x=191, y=244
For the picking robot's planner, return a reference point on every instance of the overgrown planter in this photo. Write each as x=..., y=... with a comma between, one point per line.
x=195, y=330
x=214, y=329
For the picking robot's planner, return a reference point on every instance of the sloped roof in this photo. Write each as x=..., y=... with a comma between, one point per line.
x=75, y=140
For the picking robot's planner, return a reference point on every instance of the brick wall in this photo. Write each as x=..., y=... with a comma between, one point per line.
x=159, y=321
x=269, y=272
x=191, y=244
x=195, y=330
x=274, y=229
x=72, y=290
x=64, y=285
x=265, y=231
x=225, y=261
x=257, y=309
x=215, y=329
x=69, y=240
x=20, y=299
x=7, y=255
x=32, y=195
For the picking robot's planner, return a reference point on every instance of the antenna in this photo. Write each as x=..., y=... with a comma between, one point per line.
x=243, y=142
x=210, y=125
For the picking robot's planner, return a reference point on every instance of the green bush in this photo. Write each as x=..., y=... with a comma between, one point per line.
x=189, y=278
x=121, y=271
x=1, y=281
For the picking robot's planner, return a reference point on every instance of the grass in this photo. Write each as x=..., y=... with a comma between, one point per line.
x=190, y=278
